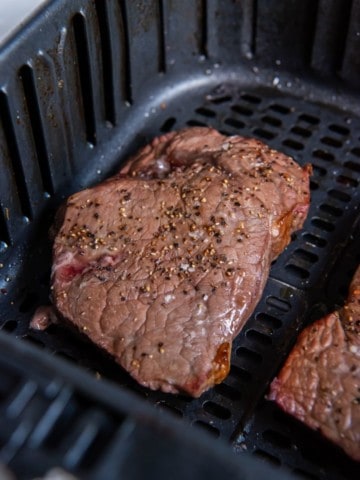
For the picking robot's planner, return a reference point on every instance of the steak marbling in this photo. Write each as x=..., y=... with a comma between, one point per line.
x=320, y=381
x=162, y=264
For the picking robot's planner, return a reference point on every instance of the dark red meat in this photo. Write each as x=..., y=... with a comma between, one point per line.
x=162, y=264
x=320, y=381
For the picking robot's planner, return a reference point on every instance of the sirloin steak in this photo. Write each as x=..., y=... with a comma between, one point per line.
x=162, y=264
x=320, y=381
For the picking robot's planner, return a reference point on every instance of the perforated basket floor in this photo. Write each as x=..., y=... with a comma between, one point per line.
x=71, y=113
x=308, y=279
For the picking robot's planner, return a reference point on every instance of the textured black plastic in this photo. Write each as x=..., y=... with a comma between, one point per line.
x=86, y=83
x=52, y=414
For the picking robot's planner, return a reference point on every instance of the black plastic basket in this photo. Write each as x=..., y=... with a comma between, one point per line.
x=86, y=83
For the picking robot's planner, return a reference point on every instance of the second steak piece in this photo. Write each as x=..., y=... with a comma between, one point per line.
x=320, y=381
x=162, y=264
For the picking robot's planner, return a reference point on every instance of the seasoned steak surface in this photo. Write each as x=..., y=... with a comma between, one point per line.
x=162, y=264
x=320, y=381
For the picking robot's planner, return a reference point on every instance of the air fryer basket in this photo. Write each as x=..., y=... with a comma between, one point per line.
x=86, y=83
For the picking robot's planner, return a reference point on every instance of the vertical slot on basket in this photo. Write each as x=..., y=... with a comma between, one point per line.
x=203, y=17
x=126, y=67
x=247, y=32
x=310, y=29
x=162, y=40
x=83, y=59
x=26, y=75
x=350, y=64
x=280, y=40
x=102, y=13
x=14, y=154
x=330, y=35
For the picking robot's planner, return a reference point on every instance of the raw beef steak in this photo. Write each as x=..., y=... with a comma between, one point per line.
x=162, y=264
x=320, y=381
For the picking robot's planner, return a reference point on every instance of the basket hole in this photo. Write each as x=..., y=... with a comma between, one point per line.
x=352, y=166
x=30, y=301
x=314, y=240
x=258, y=337
x=251, y=98
x=339, y=129
x=248, y=355
x=289, y=142
x=234, y=123
x=240, y=373
x=278, y=303
x=280, y=108
x=196, y=123
x=306, y=256
x=66, y=356
x=356, y=151
x=260, y=132
x=267, y=456
x=323, y=224
x=276, y=439
x=209, y=428
x=170, y=408
x=216, y=410
x=223, y=99
x=313, y=185
x=319, y=171
x=309, y=119
x=242, y=110
x=228, y=392
x=272, y=121
x=339, y=195
x=348, y=181
x=303, y=132
x=227, y=133
x=334, y=211
x=297, y=271
x=300, y=473
x=323, y=155
x=205, y=112
x=168, y=124
x=10, y=326
x=34, y=341
x=331, y=141
x=269, y=320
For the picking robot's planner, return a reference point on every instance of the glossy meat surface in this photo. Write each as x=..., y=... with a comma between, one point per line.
x=320, y=381
x=162, y=264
